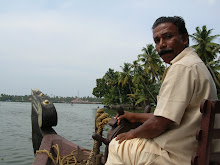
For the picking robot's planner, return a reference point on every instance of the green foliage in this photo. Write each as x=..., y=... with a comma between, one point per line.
x=14, y=98
x=100, y=88
x=208, y=51
x=152, y=63
x=205, y=46
x=136, y=84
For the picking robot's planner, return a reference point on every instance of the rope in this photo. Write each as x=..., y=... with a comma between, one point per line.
x=101, y=120
x=61, y=160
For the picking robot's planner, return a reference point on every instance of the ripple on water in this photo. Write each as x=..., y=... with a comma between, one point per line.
x=19, y=156
x=18, y=159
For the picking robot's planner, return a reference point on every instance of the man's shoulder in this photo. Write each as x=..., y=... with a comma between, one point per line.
x=190, y=59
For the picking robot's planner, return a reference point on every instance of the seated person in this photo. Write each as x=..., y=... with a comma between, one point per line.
x=167, y=136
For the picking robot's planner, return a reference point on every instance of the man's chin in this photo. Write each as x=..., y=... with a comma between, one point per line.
x=166, y=58
x=165, y=55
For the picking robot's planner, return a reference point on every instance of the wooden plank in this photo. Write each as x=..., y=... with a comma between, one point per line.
x=217, y=106
x=216, y=133
x=215, y=157
x=43, y=159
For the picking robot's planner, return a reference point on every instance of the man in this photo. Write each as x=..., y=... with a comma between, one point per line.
x=167, y=136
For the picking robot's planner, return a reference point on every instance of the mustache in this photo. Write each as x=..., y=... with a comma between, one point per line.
x=164, y=51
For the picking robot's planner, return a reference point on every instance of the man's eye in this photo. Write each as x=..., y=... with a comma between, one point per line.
x=169, y=36
x=156, y=41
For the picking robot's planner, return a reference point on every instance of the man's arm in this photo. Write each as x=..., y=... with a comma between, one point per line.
x=151, y=128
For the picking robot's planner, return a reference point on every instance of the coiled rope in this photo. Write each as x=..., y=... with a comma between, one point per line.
x=101, y=120
x=59, y=159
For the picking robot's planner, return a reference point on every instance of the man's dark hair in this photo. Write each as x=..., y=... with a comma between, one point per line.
x=176, y=20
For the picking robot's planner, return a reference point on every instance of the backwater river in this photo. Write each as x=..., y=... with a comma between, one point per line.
x=75, y=123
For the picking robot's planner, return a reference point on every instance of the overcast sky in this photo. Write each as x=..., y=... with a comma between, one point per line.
x=62, y=46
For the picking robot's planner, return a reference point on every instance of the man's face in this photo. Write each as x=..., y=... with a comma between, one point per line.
x=168, y=42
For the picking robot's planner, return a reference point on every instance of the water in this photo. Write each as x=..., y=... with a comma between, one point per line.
x=75, y=123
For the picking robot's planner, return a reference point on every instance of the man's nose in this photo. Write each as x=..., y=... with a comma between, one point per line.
x=162, y=43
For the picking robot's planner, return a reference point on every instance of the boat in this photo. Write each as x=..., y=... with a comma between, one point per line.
x=50, y=148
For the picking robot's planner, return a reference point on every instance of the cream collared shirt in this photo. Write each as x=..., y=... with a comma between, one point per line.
x=186, y=84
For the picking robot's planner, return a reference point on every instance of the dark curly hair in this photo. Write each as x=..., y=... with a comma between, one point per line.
x=176, y=20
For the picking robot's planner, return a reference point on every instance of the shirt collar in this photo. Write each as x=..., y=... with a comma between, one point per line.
x=181, y=55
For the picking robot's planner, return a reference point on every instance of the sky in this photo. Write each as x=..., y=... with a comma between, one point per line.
x=62, y=46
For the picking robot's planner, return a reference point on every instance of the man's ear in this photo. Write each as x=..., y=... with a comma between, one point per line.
x=185, y=39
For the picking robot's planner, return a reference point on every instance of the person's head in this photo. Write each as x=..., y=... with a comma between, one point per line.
x=170, y=37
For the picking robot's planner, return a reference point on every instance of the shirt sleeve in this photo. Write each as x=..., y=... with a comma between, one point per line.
x=175, y=93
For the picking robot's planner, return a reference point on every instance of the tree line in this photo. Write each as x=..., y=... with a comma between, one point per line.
x=54, y=99
x=138, y=83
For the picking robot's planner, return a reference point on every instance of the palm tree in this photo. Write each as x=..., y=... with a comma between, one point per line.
x=125, y=76
x=152, y=63
x=150, y=75
x=207, y=49
x=111, y=80
x=109, y=77
x=125, y=80
x=204, y=43
x=140, y=81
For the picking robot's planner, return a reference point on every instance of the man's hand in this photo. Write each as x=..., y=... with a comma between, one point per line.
x=151, y=128
x=126, y=136
x=127, y=115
